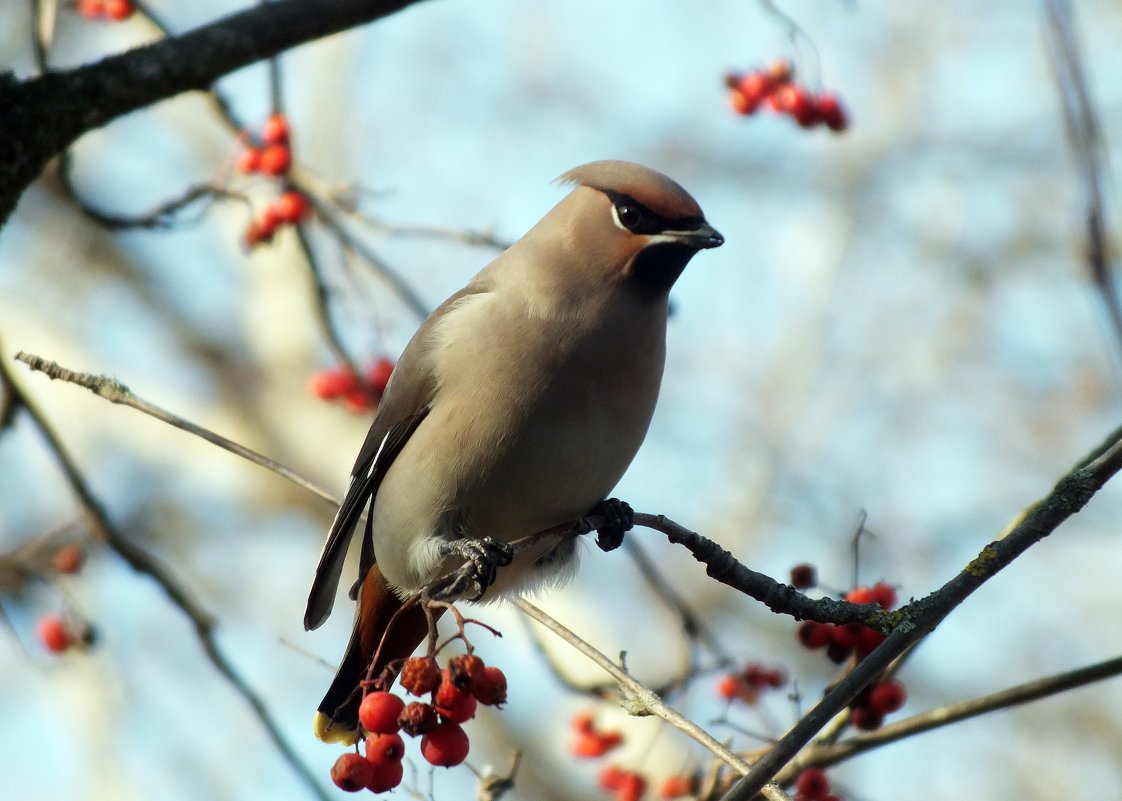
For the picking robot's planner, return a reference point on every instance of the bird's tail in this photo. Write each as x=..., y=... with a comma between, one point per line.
x=337, y=718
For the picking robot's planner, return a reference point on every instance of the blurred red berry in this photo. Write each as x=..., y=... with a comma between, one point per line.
x=867, y=640
x=832, y=112
x=270, y=220
x=802, y=107
x=249, y=161
x=445, y=746
x=119, y=9
x=838, y=653
x=292, y=207
x=69, y=558
x=740, y=102
x=861, y=595
x=383, y=748
x=255, y=234
x=378, y=712
x=887, y=697
x=491, y=689
x=865, y=718
x=779, y=72
x=583, y=722
x=275, y=130
x=275, y=160
x=54, y=634
x=351, y=772
x=417, y=718
x=755, y=87
x=333, y=383
x=91, y=9
x=677, y=786
x=611, y=777
x=420, y=674
x=729, y=687
x=385, y=777
x=631, y=788
x=378, y=376
x=812, y=784
x=884, y=594
x=804, y=576
x=813, y=634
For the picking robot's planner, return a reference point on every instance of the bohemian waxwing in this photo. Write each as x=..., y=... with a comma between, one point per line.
x=516, y=407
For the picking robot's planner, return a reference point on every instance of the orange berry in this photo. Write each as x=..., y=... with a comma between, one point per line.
x=611, y=777
x=91, y=9
x=351, y=772
x=249, y=161
x=275, y=160
x=332, y=384
x=54, y=634
x=68, y=559
x=676, y=786
x=275, y=130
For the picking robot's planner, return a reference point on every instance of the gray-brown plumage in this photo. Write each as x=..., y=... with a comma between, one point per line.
x=517, y=406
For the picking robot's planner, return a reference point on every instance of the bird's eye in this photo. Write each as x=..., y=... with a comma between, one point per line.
x=629, y=216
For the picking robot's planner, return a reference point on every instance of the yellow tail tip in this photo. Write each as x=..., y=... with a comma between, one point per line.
x=328, y=731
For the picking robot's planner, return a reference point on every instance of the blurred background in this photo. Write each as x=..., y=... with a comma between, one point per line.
x=900, y=323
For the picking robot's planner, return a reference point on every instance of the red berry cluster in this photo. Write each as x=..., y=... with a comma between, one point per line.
x=115, y=10
x=813, y=785
x=774, y=88
x=868, y=710
x=270, y=154
x=289, y=209
x=340, y=383
x=590, y=743
x=454, y=694
x=747, y=685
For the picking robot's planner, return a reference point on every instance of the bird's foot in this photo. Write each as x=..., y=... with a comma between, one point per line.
x=619, y=516
x=483, y=557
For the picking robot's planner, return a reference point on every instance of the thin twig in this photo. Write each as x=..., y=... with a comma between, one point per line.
x=116, y=392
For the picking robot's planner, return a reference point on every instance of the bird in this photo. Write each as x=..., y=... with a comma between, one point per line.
x=516, y=407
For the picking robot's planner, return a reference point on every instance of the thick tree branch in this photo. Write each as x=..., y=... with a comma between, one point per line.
x=41, y=116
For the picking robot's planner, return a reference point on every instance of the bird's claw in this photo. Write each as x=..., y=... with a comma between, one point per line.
x=483, y=557
x=619, y=517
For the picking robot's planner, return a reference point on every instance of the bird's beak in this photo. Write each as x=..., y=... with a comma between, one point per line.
x=703, y=237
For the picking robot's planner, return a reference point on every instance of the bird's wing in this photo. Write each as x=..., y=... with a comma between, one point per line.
x=404, y=406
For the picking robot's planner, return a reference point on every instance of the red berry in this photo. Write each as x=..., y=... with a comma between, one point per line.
x=420, y=674
x=378, y=712
x=755, y=87
x=249, y=161
x=779, y=72
x=582, y=722
x=447, y=693
x=385, y=777
x=740, y=102
x=730, y=687
x=351, y=772
x=68, y=559
x=611, y=777
x=861, y=595
x=802, y=107
x=460, y=710
x=867, y=640
x=54, y=634
x=275, y=130
x=631, y=788
x=466, y=669
x=275, y=160
x=837, y=653
x=91, y=9
x=383, y=748
x=812, y=784
x=884, y=594
x=256, y=234
x=118, y=9
x=588, y=746
x=804, y=576
x=417, y=718
x=677, y=786
x=832, y=112
x=334, y=383
x=865, y=718
x=292, y=207
x=378, y=376
x=270, y=220
x=888, y=696
x=814, y=635
x=359, y=400
x=445, y=746
x=491, y=689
